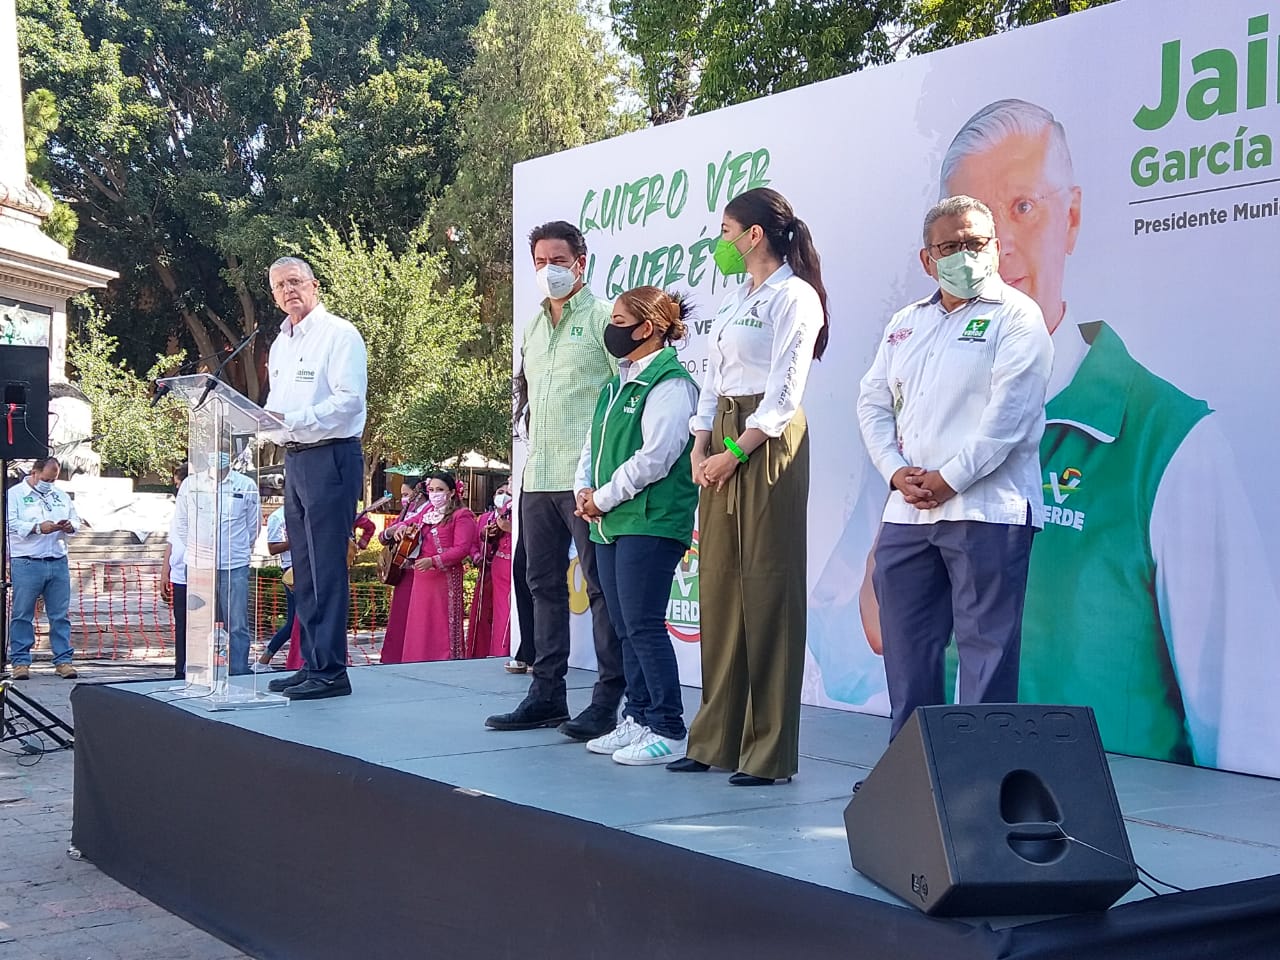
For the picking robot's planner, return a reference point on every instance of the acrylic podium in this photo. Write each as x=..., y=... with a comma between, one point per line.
x=218, y=515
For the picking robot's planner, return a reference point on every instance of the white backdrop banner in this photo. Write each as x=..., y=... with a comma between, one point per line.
x=1147, y=227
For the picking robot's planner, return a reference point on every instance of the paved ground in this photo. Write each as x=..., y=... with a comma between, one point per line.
x=53, y=907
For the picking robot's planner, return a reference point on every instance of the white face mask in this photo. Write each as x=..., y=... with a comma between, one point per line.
x=501, y=500
x=556, y=282
x=44, y=486
x=438, y=498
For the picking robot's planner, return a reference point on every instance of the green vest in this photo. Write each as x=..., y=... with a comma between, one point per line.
x=664, y=508
x=1091, y=631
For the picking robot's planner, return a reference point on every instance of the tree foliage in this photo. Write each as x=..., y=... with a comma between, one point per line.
x=199, y=139
x=542, y=81
x=697, y=57
x=430, y=396
x=132, y=437
x=934, y=24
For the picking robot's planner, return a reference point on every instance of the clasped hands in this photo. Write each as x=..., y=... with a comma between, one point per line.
x=716, y=468
x=59, y=526
x=586, y=506
x=923, y=489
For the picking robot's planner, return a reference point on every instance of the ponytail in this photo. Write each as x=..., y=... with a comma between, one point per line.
x=805, y=263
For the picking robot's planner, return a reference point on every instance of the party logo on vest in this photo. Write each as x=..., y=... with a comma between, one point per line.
x=683, y=608
x=1061, y=487
x=976, y=329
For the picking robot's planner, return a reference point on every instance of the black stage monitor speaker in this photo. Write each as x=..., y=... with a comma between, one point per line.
x=24, y=403
x=969, y=811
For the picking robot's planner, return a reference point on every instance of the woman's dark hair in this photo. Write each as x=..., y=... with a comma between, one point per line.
x=448, y=479
x=520, y=405
x=789, y=238
x=181, y=471
x=668, y=312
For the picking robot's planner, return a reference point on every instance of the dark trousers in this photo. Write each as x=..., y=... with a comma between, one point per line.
x=180, y=631
x=549, y=525
x=635, y=575
x=281, y=636
x=322, y=486
x=933, y=579
x=524, y=601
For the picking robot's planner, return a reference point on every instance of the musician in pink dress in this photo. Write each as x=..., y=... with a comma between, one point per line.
x=489, y=632
x=432, y=624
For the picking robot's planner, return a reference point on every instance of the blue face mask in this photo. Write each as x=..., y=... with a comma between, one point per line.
x=43, y=486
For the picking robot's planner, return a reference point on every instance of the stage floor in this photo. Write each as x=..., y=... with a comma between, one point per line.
x=1190, y=827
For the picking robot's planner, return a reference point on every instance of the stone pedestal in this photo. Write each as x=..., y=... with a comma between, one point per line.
x=37, y=275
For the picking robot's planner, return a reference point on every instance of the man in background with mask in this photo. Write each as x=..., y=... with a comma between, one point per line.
x=564, y=359
x=952, y=412
x=40, y=518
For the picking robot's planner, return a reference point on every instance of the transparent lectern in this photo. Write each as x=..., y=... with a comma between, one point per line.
x=218, y=516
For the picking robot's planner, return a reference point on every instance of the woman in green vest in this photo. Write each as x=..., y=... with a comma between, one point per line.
x=635, y=488
x=751, y=456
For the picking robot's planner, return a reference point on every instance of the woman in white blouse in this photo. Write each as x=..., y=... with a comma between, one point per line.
x=751, y=457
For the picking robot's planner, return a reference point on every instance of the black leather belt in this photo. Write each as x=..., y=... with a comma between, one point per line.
x=42, y=559
x=299, y=447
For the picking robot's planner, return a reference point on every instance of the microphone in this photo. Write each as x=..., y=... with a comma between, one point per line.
x=164, y=389
x=213, y=378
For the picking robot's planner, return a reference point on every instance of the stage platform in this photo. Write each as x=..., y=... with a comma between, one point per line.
x=392, y=824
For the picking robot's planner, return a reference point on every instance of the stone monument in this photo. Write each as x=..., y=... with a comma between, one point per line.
x=36, y=273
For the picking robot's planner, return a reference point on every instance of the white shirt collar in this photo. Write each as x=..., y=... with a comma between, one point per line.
x=629, y=370
x=289, y=328
x=1069, y=351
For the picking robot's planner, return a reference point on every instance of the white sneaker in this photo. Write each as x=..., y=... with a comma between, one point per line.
x=257, y=666
x=626, y=733
x=651, y=748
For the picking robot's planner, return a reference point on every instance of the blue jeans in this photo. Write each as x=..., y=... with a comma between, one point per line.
x=232, y=606
x=32, y=579
x=282, y=635
x=635, y=575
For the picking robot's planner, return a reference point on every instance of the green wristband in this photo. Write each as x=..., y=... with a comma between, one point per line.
x=736, y=450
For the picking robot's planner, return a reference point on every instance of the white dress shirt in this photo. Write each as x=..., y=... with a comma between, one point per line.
x=28, y=508
x=177, y=551
x=1213, y=588
x=319, y=370
x=240, y=519
x=962, y=393
x=664, y=425
x=762, y=343
x=277, y=533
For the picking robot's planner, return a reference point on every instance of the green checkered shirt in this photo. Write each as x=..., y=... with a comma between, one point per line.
x=566, y=366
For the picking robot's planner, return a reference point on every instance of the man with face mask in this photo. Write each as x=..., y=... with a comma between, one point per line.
x=565, y=362
x=952, y=412
x=40, y=518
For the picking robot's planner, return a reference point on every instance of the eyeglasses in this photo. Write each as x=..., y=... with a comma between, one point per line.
x=950, y=247
x=293, y=283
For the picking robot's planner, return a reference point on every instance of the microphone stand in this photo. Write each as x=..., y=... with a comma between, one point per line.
x=217, y=374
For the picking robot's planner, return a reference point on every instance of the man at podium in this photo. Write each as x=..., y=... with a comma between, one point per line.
x=318, y=368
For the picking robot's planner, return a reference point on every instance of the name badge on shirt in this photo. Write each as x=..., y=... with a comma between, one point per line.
x=976, y=330
x=305, y=376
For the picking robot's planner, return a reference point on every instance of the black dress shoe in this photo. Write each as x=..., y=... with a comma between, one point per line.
x=280, y=684
x=747, y=780
x=314, y=688
x=595, y=721
x=530, y=715
x=688, y=765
